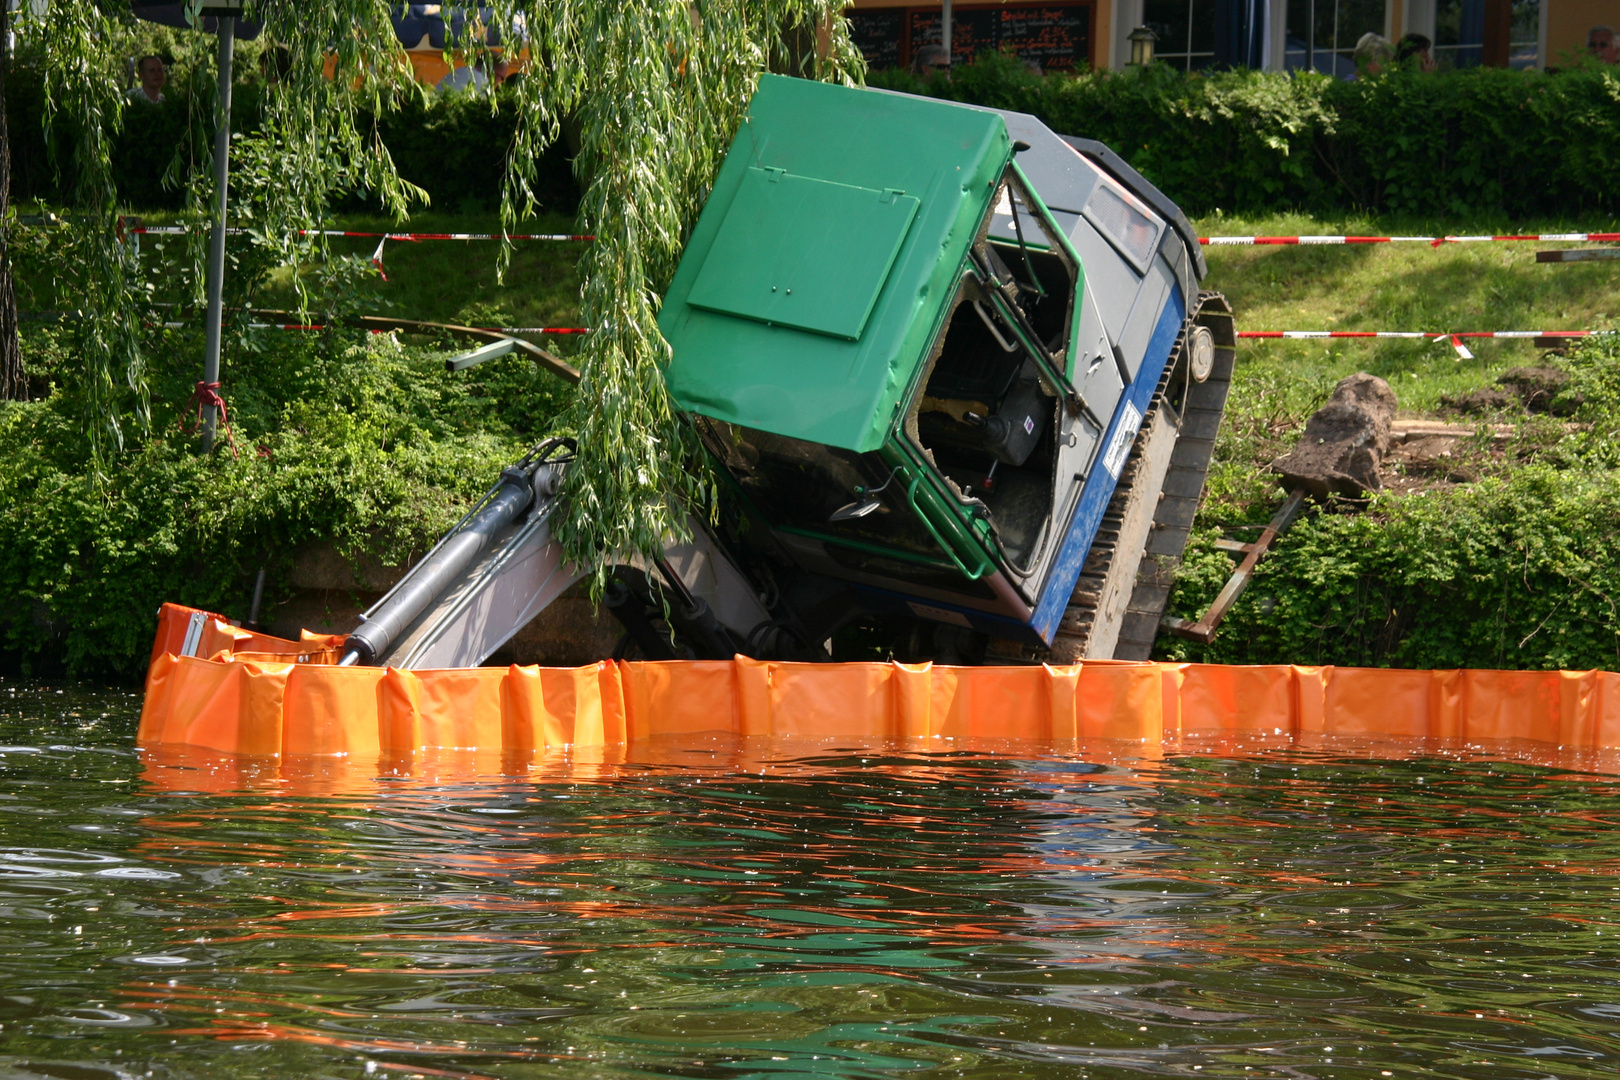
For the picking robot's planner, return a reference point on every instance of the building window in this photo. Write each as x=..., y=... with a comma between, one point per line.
x=1186, y=30
x=1459, y=33
x=1322, y=34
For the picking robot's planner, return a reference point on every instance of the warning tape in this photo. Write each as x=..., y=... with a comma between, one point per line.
x=182, y=230
x=1454, y=339
x=1433, y=241
x=382, y=238
x=486, y=329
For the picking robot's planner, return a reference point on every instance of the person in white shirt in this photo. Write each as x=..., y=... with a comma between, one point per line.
x=153, y=75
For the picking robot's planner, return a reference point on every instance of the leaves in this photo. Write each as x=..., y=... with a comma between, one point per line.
x=1515, y=572
x=1456, y=143
x=654, y=89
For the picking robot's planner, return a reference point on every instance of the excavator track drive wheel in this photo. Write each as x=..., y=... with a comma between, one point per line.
x=1200, y=353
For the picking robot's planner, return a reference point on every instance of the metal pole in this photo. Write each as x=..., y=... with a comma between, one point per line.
x=945, y=30
x=216, y=243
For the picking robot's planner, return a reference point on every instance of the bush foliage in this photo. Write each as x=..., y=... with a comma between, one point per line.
x=343, y=436
x=1470, y=141
x=1474, y=141
x=1515, y=571
x=449, y=146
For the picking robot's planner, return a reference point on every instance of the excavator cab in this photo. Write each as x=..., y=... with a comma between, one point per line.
x=889, y=331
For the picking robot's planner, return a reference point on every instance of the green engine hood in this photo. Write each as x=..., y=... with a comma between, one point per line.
x=809, y=293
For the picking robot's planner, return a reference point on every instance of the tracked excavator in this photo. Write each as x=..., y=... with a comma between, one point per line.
x=957, y=380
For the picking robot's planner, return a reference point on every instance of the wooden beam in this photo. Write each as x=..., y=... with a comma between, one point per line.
x=1498, y=33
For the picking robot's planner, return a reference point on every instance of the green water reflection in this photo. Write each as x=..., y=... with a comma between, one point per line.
x=937, y=910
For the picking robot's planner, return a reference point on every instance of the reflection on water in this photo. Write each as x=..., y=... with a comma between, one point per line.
x=745, y=910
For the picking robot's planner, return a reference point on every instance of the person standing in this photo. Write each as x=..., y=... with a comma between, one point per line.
x=1373, y=55
x=931, y=60
x=1412, y=53
x=1601, y=44
x=469, y=77
x=153, y=75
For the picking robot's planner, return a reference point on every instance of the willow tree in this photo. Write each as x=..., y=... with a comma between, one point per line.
x=655, y=90
x=313, y=121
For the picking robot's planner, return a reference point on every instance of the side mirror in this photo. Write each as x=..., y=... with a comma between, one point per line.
x=858, y=509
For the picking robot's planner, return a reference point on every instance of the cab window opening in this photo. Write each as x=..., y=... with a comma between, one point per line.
x=984, y=419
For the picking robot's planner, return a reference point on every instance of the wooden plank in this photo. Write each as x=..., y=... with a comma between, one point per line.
x=1570, y=255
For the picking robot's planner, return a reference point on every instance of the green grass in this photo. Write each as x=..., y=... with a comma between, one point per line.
x=1360, y=287
x=1457, y=287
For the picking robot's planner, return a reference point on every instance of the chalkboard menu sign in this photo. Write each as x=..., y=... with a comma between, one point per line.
x=1055, y=35
x=973, y=31
x=1058, y=37
x=880, y=35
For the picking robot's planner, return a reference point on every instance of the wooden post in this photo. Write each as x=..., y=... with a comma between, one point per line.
x=1498, y=33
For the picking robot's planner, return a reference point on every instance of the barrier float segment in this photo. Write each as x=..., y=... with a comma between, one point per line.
x=212, y=686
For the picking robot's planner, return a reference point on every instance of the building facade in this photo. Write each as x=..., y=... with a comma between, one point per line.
x=1273, y=35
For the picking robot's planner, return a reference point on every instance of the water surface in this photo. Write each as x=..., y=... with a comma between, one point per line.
x=731, y=910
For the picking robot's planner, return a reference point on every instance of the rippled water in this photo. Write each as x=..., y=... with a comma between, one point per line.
x=729, y=910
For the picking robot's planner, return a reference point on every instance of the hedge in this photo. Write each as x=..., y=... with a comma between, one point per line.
x=1477, y=141
x=1480, y=140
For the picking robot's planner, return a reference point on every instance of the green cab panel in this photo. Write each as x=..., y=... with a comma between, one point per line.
x=865, y=205
x=770, y=261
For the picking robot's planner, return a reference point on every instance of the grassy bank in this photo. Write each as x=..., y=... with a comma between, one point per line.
x=1500, y=559
x=368, y=442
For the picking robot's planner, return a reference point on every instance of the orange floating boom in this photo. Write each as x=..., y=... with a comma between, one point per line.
x=212, y=686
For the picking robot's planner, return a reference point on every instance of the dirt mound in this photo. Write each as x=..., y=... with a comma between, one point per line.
x=1342, y=450
x=1538, y=388
x=1523, y=388
x=1487, y=400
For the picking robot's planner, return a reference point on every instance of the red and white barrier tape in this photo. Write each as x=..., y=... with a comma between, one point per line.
x=181, y=230
x=382, y=241
x=1454, y=339
x=1209, y=241
x=487, y=329
x=1432, y=241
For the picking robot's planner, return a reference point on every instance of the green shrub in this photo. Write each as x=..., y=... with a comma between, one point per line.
x=450, y=146
x=1481, y=140
x=1514, y=572
x=1474, y=141
x=343, y=437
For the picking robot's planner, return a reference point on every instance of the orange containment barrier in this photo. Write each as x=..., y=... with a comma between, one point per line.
x=213, y=686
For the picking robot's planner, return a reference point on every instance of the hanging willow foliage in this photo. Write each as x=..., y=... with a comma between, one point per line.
x=655, y=90
x=345, y=63
x=83, y=80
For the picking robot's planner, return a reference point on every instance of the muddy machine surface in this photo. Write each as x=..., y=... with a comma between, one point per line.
x=956, y=378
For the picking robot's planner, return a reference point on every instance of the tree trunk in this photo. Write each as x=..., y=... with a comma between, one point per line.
x=13, y=380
